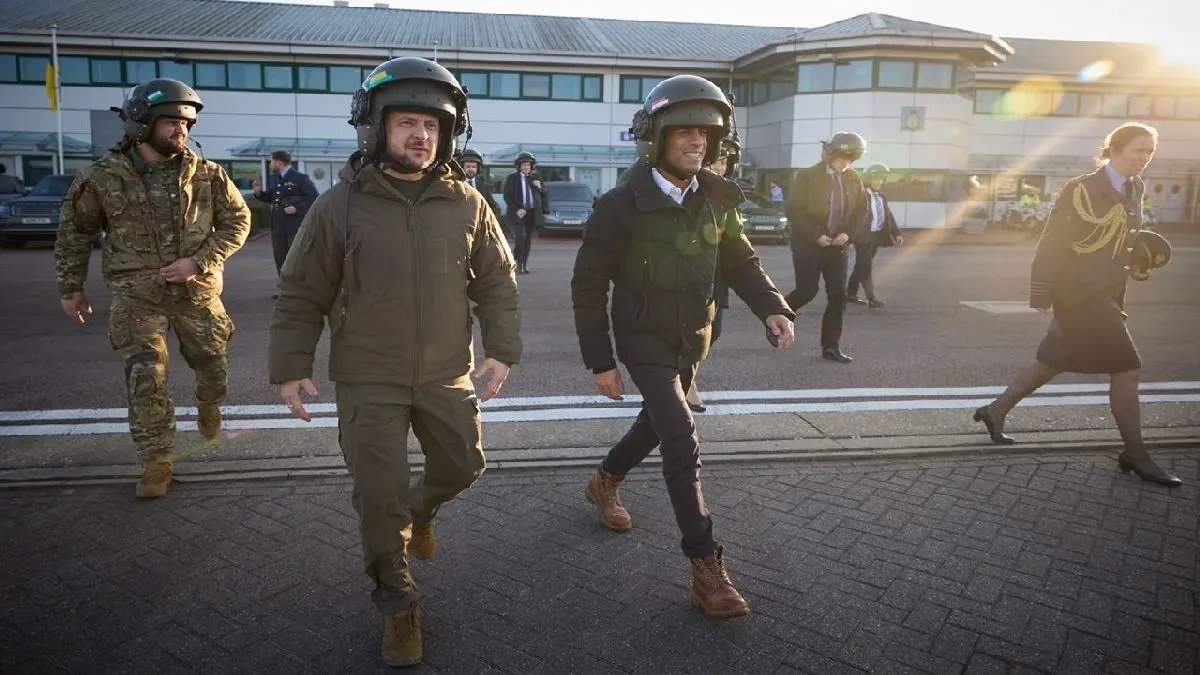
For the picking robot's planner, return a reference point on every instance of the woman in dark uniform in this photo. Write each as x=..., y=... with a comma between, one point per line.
x=1079, y=275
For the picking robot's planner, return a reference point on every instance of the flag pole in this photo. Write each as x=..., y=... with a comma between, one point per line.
x=57, y=94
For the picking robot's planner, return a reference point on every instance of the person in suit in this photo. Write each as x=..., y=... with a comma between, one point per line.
x=881, y=232
x=291, y=194
x=472, y=165
x=525, y=203
x=1078, y=277
x=825, y=208
x=10, y=184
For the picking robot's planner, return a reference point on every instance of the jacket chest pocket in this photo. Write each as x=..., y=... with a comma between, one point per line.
x=126, y=220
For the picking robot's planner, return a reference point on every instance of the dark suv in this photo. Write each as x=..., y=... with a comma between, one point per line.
x=763, y=219
x=34, y=217
x=570, y=206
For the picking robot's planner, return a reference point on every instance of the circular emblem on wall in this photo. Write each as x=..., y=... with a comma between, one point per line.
x=318, y=173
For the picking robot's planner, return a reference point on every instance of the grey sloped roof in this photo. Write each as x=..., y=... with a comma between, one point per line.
x=883, y=24
x=1069, y=57
x=220, y=20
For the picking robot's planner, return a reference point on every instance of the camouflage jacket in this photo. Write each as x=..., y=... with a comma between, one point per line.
x=111, y=196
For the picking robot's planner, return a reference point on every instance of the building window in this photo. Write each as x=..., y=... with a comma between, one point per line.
x=987, y=101
x=853, y=76
x=312, y=78
x=176, y=70
x=813, y=78
x=1164, y=106
x=1090, y=105
x=278, y=78
x=504, y=85
x=245, y=76
x=211, y=75
x=1116, y=105
x=896, y=74
x=758, y=92
x=8, y=67
x=741, y=92
x=106, y=71
x=1140, y=106
x=73, y=70
x=782, y=84
x=635, y=88
x=1188, y=108
x=476, y=84
x=33, y=68
x=916, y=186
x=593, y=87
x=565, y=87
x=938, y=76
x=137, y=72
x=344, y=79
x=535, y=86
x=1066, y=104
x=964, y=82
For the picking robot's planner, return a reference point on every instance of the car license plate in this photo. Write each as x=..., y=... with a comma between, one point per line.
x=763, y=226
x=572, y=221
x=35, y=221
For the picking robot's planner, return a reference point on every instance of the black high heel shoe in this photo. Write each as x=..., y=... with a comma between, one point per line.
x=984, y=414
x=1147, y=470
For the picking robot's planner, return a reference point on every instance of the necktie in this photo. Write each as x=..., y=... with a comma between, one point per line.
x=528, y=196
x=1128, y=192
x=471, y=181
x=836, y=203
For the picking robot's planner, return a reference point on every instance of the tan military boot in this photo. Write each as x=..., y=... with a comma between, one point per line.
x=208, y=419
x=602, y=491
x=423, y=544
x=402, y=637
x=154, y=481
x=712, y=591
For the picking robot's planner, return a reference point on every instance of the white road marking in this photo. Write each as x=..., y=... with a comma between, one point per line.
x=582, y=413
x=1000, y=306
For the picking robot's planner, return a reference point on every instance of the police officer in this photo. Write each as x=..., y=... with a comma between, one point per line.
x=393, y=257
x=1086, y=254
x=525, y=203
x=825, y=209
x=170, y=219
x=472, y=165
x=655, y=241
x=290, y=194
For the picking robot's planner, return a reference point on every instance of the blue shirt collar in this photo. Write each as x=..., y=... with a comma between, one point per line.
x=1117, y=180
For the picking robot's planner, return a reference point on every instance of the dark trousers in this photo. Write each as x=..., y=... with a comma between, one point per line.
x=523, y=229
x=811, y=263
x=864, y=255
x=666, y=421
x=281, y=243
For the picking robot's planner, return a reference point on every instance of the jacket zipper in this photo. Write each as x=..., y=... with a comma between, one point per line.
x=416, y=285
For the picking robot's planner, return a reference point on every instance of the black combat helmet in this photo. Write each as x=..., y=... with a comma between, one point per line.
x=525, y=157
x=470, y=155
x=681, y=101
x=876, y=172
x=731, y=150
x=162, y=97
x=845, y=144
x=409, y=83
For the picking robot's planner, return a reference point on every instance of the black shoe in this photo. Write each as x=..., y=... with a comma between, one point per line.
x=835, y=354
x=696, y=407
x=875, y=304
x=854, y=299
x=984, y=414
x=1147, y=470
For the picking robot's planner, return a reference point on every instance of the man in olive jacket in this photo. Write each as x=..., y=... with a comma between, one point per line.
x=393, y=256
x=657, y=241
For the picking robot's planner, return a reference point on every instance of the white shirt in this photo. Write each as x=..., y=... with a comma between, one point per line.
x=878, y=215
x=670, y=189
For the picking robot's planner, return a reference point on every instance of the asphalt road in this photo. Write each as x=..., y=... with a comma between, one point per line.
x=925, y=337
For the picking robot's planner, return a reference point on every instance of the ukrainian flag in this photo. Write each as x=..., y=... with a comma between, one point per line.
x=51, y=78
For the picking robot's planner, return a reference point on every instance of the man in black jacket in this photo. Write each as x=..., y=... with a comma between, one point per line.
x=472, y=166
x=525, y=201
x=880, y=231
x=656, y=242
x=825, y=208
x=291, y=194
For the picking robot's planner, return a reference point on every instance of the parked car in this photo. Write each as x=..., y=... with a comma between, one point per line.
x=34, y=217
x=763, y=220
x=570, y=206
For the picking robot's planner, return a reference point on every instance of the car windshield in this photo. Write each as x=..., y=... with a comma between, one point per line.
x=568, y=193
x=754, y=201
x=53, y=186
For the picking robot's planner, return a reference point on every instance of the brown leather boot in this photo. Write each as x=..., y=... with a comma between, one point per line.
x=155, y=480
x=602, y=491
x=423, y=544
x=712, y=591
x=208, y=420
x=402, y=637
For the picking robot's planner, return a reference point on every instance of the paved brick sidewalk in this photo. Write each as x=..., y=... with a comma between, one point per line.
x=1008, y=563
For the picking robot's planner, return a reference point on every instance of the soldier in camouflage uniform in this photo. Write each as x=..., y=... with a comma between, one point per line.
x=171, y=219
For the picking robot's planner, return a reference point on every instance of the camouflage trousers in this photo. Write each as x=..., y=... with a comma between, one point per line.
x=138, y=330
